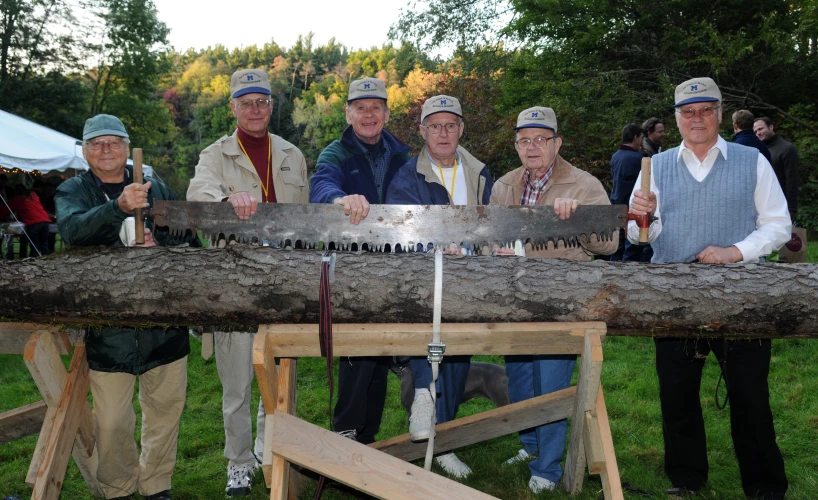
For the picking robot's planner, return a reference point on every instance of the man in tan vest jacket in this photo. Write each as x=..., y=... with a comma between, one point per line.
x=243, y=169
x=546, y=179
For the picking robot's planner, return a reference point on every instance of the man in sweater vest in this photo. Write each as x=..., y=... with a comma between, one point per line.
x=717, y=202
x=249, y=167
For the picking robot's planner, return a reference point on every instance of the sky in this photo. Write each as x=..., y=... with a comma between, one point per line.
x=232, y=24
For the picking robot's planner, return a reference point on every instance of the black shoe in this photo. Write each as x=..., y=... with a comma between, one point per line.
x=681, y=492
x=162, y=495
x=127, y=497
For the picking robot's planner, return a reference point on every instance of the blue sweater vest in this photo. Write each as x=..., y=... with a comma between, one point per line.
x=719, y=211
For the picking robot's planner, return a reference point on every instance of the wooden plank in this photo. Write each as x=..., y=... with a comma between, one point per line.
x=280, y=468
x=207, y=345
x=594, y=454
x=13, y=336
x=359, y=466
x=39, y=449
x=266, y=376
x=66, y=424
x=590, y=370
x=289, y=407
x=611, y=483
x=42, y=358
x=411, y=339
x=486, y=425
x=21, y=422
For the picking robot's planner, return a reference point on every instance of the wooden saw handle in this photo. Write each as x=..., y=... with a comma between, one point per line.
x=139, y=225
x=643, y=231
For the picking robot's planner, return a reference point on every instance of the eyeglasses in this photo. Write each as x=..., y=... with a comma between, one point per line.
x=539, y=141
x=255, y=103
x=437, y=128
x=705, y=112
x=99, y=144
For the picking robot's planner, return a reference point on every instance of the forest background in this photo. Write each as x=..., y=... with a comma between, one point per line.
x=599, y=64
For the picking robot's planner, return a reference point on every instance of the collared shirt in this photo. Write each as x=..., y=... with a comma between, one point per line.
x=378, y=155
x=534, y=188
x=773, y=225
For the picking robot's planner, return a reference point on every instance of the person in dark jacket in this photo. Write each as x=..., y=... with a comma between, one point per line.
x=784, y=160
x=444, y=173
x=91, y=209
x=354, y=172
x=743, y=128
x=626, y=164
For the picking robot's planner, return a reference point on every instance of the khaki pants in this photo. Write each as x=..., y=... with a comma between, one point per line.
x=234, y=362
x=162, y=397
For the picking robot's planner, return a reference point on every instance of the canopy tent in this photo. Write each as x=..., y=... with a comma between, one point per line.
x=28, y=146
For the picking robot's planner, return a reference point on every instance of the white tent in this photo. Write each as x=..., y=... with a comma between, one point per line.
x=28, y=146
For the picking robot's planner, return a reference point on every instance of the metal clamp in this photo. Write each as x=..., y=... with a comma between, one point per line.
x=331, y=260
x=436, y=350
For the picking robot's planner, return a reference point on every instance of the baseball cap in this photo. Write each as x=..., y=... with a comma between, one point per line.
x=249, y=81
x=367, y=88
x=697, y=90
x=537, y=117
x=441, y=104
x=103, y=125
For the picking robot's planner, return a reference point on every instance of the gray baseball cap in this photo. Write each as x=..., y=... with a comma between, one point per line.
x=103, y=125
x=441, y=104
x=537, y=117
x=367, y=88
x=697, y=90
x=249, y=81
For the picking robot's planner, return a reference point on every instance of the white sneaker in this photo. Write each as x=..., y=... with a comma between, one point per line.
x=240, y=479
x=538, y=484
x=420, y=421
x=349, y=434
x=453, y=465
x=521, y=456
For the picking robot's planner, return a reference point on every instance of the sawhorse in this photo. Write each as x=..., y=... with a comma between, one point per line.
x=63, y=418
x=382, y=469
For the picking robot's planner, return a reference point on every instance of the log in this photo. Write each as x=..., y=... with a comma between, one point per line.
x=247, y=285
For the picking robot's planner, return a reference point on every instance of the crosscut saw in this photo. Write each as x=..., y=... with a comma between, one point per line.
x=413, y=227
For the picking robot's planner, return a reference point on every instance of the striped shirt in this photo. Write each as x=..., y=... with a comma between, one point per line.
x=534, y=188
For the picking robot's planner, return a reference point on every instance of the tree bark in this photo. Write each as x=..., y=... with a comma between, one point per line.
x=245, y=285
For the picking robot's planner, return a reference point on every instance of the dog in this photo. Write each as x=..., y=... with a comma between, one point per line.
x=485, y=380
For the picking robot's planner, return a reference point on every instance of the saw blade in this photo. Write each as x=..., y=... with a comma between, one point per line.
x=413, y=227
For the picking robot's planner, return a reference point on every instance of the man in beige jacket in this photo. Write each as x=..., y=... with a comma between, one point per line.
x=546, y=179
x=244, y=169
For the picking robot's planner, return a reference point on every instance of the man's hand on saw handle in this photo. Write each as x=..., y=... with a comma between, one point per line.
x=134, y=196
x=355, y=206
x=643, y=204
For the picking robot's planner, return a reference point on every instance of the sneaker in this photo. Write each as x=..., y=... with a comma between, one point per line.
x=420, y=420
x=240, y=479
x=453, y=465
x=521, y=456
x=538, y=484
x=349, y=433
x=162, y=495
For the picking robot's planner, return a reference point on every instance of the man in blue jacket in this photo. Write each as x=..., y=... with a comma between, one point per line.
x=354, y=172
x=444, y=173
x=743, y=128
x=626, y=164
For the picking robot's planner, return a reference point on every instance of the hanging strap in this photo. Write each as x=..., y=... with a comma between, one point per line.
x=325, y=335
x=436, y=349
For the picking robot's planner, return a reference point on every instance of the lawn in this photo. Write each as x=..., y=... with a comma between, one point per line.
x=630, y=389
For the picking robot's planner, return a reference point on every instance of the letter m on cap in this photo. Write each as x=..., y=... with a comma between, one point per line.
x=366, y=85
x=694, y=87
x=250, y=77
x=535, y=114
x=443, y=102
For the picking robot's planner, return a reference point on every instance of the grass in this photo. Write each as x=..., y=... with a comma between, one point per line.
x=632, y=398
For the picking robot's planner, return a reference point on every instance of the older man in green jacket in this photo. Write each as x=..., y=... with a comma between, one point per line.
x=91, y=209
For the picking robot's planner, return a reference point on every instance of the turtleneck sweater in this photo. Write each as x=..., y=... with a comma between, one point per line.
x=258, y=151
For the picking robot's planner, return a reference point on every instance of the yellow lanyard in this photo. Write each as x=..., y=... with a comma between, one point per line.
x=264, y=188
x=454, y=178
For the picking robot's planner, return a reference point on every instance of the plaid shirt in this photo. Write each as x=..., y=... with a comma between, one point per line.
x=534, y=188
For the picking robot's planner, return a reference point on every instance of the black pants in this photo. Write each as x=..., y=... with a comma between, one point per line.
x=39, y=236
x=745, y=365
x=361, y=395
